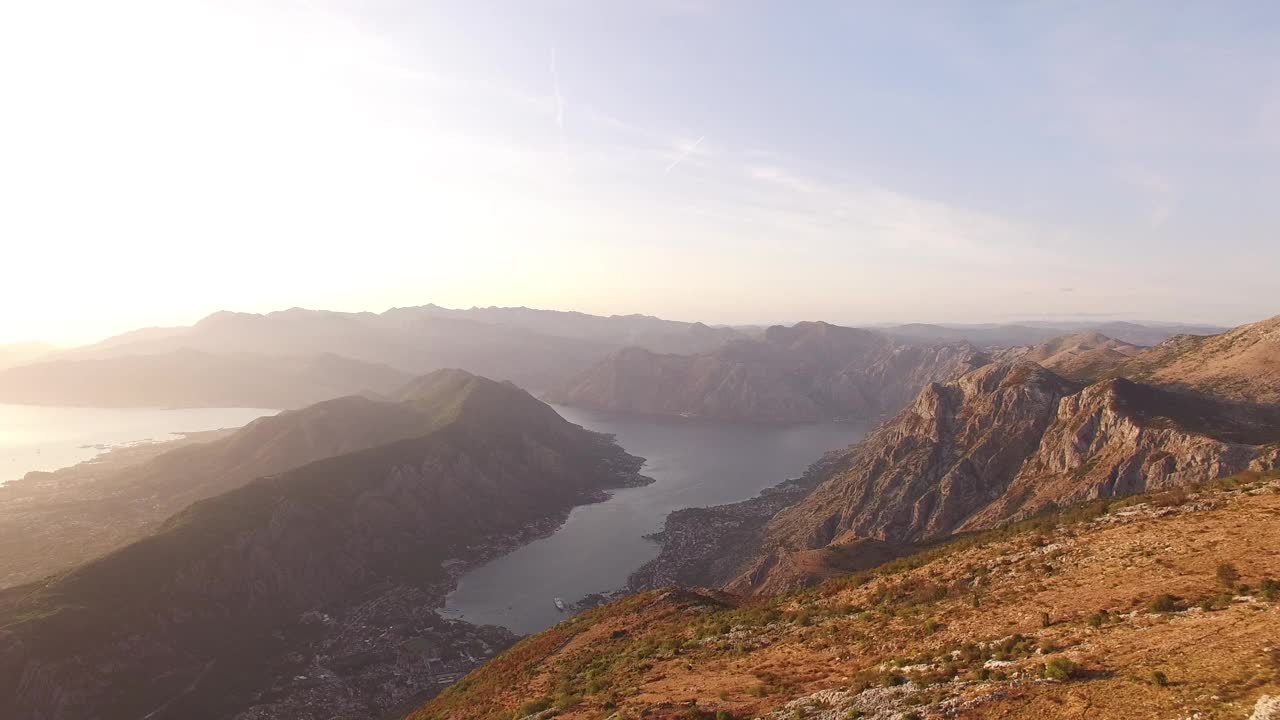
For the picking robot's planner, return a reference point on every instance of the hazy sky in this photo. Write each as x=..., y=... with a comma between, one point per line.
x=722, y=161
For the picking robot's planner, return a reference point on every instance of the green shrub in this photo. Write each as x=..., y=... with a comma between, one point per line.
x=531, y=707
x=1163, y=604
x=1159, y=679
x=1270, y=588
x=1060, y=668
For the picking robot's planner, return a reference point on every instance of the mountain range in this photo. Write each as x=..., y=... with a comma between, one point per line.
x=803, y=373
x=1000, y=443
x=258, y=601
x=292, y=568
x=295, y=357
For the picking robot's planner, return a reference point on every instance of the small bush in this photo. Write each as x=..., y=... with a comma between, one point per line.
x=531, y=707
x=1159, y=679
x=1270, y=588
x=1228, y=575
x=1060, y=668
x=1163, y=604
x=1099, y=619
x=1045, y=621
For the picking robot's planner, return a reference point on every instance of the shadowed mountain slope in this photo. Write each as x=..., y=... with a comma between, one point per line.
x=199, y=618
x=51, y=521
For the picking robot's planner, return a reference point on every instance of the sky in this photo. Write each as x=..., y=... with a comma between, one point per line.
x=730, y=162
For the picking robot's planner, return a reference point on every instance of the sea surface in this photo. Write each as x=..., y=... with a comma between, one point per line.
x=694, y=462
x=35, y=437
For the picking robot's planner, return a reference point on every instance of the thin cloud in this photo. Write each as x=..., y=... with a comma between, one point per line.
x=555, y=86
x=684, y=154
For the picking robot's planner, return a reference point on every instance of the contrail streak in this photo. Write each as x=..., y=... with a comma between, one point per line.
x=687, y=152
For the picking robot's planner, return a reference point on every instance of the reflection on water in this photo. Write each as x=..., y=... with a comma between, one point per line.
x=694, y=463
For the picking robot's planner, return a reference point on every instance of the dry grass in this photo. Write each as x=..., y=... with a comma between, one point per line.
x=963, y=627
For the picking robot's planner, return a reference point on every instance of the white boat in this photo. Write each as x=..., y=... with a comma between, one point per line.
x=561, y=606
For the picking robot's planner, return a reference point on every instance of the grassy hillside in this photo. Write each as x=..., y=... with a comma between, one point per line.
x=1153, y=606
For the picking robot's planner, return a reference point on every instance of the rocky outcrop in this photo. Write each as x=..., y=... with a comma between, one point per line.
x=1120, y=438
x=1007, y=441
x=1001, y=443
x=921, y=475
x=1242, y=364
x=807, y=372
x=197, y=619
x=1083, y=357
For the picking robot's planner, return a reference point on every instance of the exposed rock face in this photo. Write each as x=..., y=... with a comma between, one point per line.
x=925, y=472
x=1001, y=443
x=192, y=621
x=808, y=372
x=1121, y=438
x=1083, y=357
x=1241, y=364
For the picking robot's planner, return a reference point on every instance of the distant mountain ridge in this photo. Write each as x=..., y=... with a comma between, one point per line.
x=23, y=353
x=296, y=357
x=202, y=617
x=195, y=378
x=1034, y=333
x=1082, y=357
x=807, y=372
x=534, y=348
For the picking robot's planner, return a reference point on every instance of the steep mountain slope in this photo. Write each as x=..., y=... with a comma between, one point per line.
x=194, y=378
x=1000, y=443
x=201, y=618
x=807, y=372
x=1241, y=364
x=1083, y=357
x=1156, y=607
x=52, y=521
